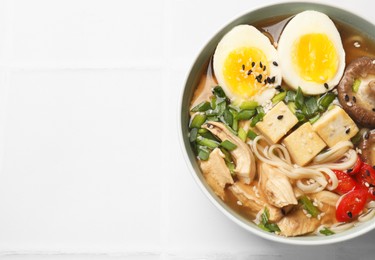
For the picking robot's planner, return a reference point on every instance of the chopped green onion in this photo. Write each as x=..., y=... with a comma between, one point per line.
x=245, y=114
x=256, y=119
x=207, y=142
x=198, y=121
x=235, y=125
x=325, y=100
x=202, y=130
x=265, y=225
x=213, y=102
x=219, y=92
x=212, y=118
x=201, y=107
x=248, y=105
x=279, y=97
x=308, y=206
x=228, y=145
x=193, y=135
x=326, y=231
x=231, y=130
x=314, y=119
x=292, y=107
x=290, y=96
x=251, y=134
x=299, y=98
x=356, y=85
x=203, y=153
x=220, y=108
x=227, y=156
x=260, y=109
x=242, y=134
x=301, y=117
x=311, y=106
x=227, y=117
x=231, y=167
x=208, y=135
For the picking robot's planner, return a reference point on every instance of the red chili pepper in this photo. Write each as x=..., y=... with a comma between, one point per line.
x=366, y=179
x=351, y=205
x=345, y=182
x=356, y=168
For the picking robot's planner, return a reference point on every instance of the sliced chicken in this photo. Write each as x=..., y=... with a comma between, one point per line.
x=326, y=202
x=216, y=172
x=326, y=197
x=249, y=197
x=297, y=223
x=242, y=155
x=276, y=186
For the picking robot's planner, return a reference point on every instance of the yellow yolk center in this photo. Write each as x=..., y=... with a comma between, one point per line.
x=245, y=70
x=315, y=58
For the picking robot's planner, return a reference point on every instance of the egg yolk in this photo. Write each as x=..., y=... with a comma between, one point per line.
x=315, y=58
x=245, y=70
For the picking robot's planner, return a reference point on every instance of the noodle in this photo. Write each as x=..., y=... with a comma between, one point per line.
x=317, y=173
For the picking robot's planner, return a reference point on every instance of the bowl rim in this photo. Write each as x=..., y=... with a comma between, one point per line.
x=226, y=210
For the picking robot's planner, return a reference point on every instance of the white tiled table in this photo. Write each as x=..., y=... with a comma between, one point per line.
x=90, y=162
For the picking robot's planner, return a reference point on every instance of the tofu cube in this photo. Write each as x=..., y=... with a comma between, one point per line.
x=335, y=126
x=304, y=144
x=277, y=122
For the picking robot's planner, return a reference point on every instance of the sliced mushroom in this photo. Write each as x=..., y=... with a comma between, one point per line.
x=297, y=223
x=216, y=172
x=367, y=145
x=253, y=201
x=359, y=105
x=276, y=186
x=242, y=155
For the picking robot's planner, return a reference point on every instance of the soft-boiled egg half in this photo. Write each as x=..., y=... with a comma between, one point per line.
x=311, y=53
x=246, y=65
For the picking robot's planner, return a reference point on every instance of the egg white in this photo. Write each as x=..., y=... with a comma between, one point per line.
x=308, y=22
x=247, y=36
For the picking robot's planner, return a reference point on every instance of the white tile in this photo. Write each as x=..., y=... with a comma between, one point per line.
x=83, y=32
x=80, y=171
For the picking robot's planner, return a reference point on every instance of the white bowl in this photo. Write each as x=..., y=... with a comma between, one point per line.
x=192, y=81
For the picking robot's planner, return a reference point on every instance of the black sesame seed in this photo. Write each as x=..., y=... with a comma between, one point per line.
x=243, y=66
x=346, y=98
x=347, y=131
x=349, y=170
x=249, y=72
x=350, y=215
x=354, y=99
x=367, y=172
x=326, y=85
x=373, y=167
x=260, y=64
x=280, y=117
x=373, y=109
x=265, y=81
x=273, y=79
x=275, y=63
x=278, y=87
x=264, y=68
x=268, y=80
x=366, y=136
x=253, y=64
x=259, y=78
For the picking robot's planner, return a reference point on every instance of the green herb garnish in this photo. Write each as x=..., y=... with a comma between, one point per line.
x=265, y=224
x=308, y=206
x=326, y=231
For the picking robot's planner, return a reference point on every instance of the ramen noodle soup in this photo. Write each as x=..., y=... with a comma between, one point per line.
x=283, y=124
